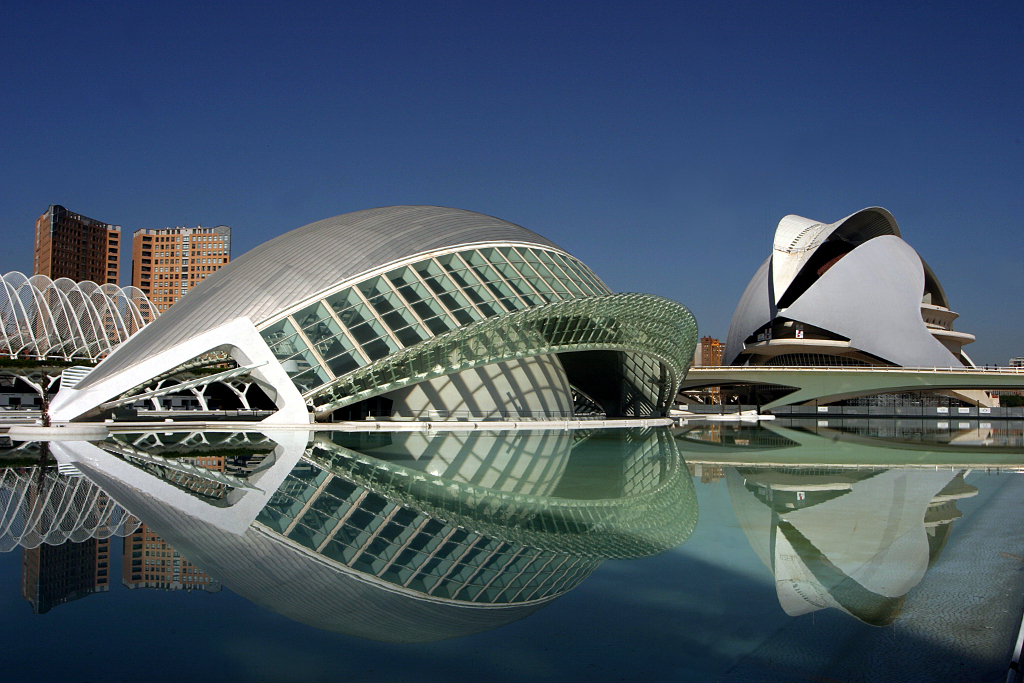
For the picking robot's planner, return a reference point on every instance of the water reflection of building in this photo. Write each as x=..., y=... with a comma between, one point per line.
x=54, y=574
x=855, y=540
x=149, y=562
x=383, y=548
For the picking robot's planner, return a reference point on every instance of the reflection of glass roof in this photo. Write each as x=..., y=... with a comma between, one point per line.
x=461, y=541
x=391, y=552
x=649, y=508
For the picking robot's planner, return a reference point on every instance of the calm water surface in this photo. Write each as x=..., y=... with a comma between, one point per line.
x=794, y=551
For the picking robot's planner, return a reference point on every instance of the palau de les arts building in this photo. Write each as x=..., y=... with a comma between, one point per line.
x=411, y=312
x=849, y=293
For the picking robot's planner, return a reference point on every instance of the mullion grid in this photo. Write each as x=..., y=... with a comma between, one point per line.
x=510, y=281
x=348, y=335
x=559, y=273
x=380, y=321
x=459, y=271
x=497, y=281
x=443, y=276
x=448, y=321
x=536, y=278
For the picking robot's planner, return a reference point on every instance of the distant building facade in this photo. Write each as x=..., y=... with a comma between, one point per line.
x=711, y=351
x=166, y=263
x=70, y=245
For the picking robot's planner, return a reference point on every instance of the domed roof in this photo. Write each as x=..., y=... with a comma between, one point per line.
x=304, y=262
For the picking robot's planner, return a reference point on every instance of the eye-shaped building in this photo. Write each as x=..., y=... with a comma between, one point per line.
x=413, y=312
x=846, y=293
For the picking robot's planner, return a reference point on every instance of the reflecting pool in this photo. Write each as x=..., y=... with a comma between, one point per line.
x=790, y=550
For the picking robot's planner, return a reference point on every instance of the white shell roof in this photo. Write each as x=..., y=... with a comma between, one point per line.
x=872, y=296
x=299, y=264
x=797, y=238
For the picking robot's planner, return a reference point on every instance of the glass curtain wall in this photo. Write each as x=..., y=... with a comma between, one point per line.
x=385, y=313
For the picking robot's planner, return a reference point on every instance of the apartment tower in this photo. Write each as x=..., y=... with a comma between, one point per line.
x=166, y=263
x=73, y=246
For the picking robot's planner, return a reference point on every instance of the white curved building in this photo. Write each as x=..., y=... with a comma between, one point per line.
x=846, y=293
x=413, y=312
x=65, y=320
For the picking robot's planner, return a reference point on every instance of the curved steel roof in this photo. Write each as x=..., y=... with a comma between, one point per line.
x=306, y=261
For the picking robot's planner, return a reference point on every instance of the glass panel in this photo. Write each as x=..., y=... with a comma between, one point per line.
x=397, y=317
x=309, y=316
x=373, y=287
x=327, y=338
x=299, y=362
x=310, y=379
x=345, y=363
x=480, y=295
x=342, y=302
x=580, y=276
x=408, y=285
x=373, y=340
x=281, y=338
x=511, y=254
x=439, y=324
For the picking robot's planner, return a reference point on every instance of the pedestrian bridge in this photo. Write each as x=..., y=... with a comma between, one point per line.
x=829, y=384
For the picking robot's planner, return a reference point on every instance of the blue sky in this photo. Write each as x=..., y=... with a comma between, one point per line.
x=659, y=142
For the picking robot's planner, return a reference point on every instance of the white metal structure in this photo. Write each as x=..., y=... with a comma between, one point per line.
x=66, y=320
x=846, y=293
x=481, y=312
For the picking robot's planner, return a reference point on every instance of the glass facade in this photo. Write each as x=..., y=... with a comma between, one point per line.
x=656, y=335
x=373, y=319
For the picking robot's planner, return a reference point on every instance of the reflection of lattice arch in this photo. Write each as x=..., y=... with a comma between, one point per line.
x=48, y=507
x=43, y=318
x=640, y=323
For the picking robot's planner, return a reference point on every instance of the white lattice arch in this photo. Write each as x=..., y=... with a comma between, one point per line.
x=43, y=318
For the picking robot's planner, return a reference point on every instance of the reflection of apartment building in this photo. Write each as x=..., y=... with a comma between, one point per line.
x=54, y=574
x=166, y=263
x=708, y=352
x=708, y=474
x=73, y=246
x=150, y=562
